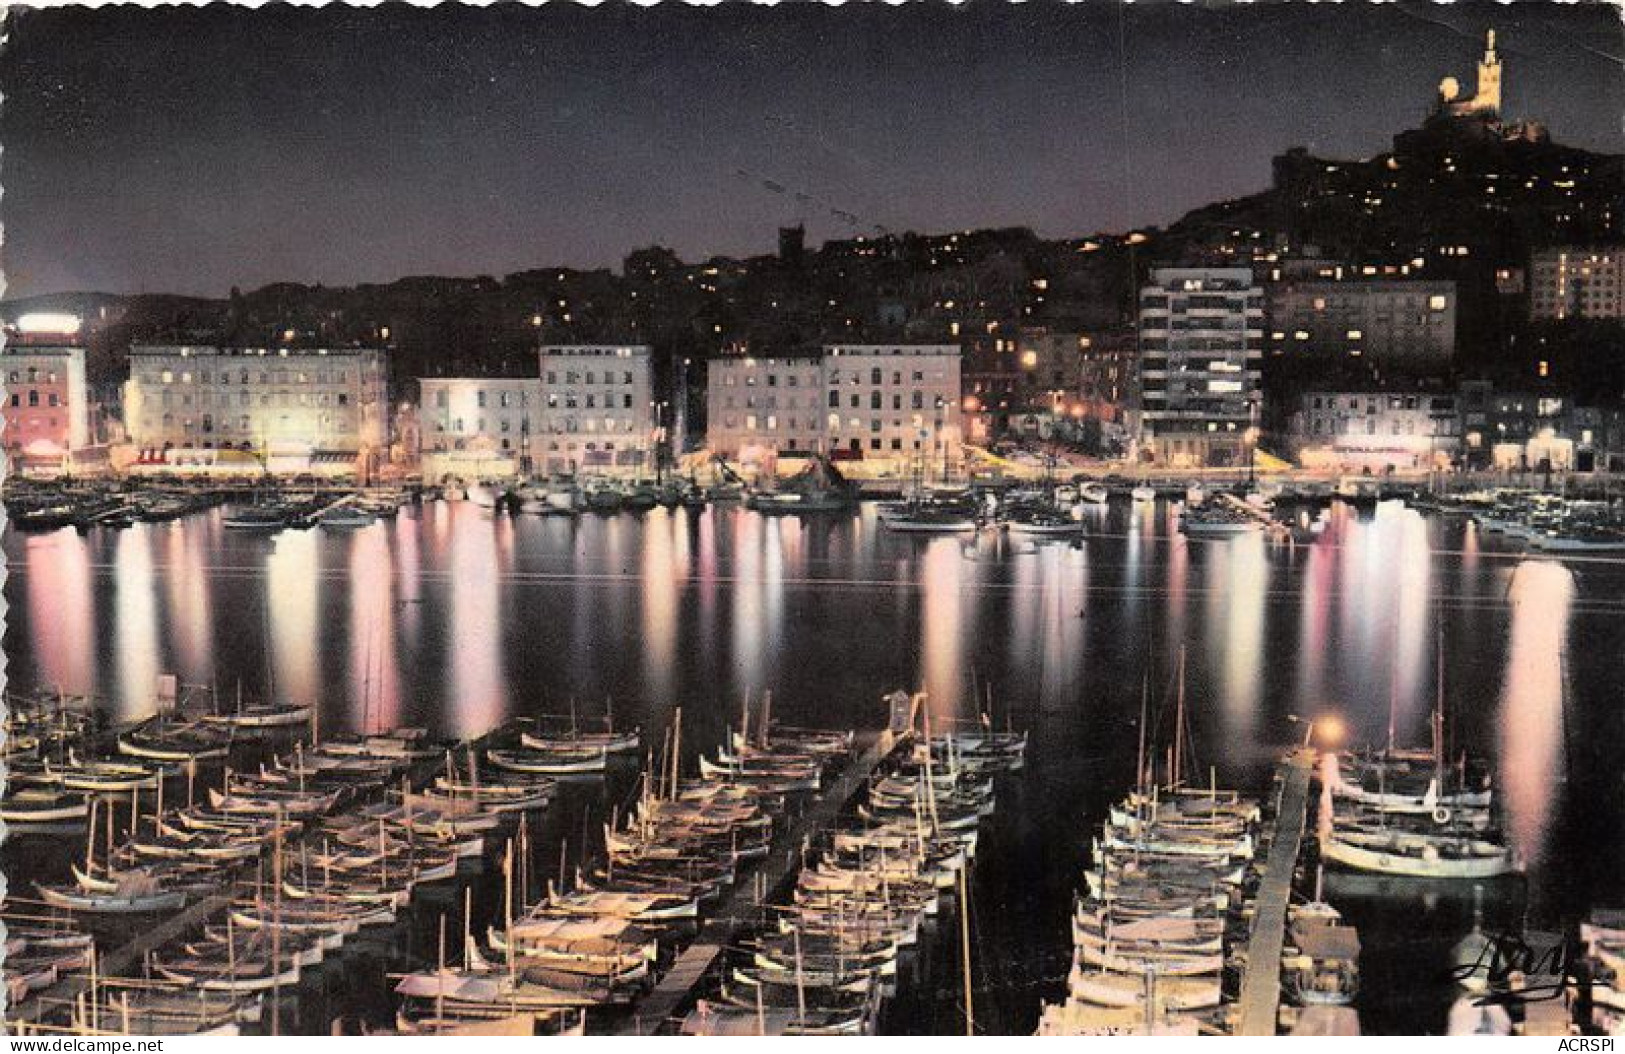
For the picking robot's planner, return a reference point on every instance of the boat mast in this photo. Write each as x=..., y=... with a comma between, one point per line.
x=1139, y=766
x=964, y=945
x=1438, y=717
x=1179, y=722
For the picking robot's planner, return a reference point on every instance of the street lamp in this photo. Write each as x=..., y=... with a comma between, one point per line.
x=1330, y=727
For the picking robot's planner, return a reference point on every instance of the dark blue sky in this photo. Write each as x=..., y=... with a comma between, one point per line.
x=191, y=150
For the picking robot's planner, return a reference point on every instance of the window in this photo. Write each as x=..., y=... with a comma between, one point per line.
x=874, y=400
x=834, y=400
x=1436, y=303
x=874, y=375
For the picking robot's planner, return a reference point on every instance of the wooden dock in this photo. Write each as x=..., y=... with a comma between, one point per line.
x=756, y=886
x=1261, y=983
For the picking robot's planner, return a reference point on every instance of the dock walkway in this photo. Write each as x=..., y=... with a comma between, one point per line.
x=756, y=886
x=1261, y=983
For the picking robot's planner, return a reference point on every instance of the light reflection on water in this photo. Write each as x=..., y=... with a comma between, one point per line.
x=135, y=626
x=1532, y=718
x=454, y=617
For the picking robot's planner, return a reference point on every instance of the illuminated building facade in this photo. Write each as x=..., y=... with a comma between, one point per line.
x=892, y=403
x=889, y=405
x=758, y=409
x=46, y=407
x=596, y=409
x=477, y=426
x=1375, y=431
x=293, y=407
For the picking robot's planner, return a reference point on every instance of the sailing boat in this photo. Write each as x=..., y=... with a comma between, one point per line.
x=1414, y=832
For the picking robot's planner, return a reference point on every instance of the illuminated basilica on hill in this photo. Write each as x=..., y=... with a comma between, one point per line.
x=1483, y=107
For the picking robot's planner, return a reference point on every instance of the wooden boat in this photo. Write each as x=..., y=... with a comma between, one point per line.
x=30, y=807
x=551, y=762
x=185, y=742
x=102, y=776
x=1106, y=988
x=262, y=803
x=127, y=897
x=1407, y=854
x=574, y=741
x=263, y=715
x=311, y=914
x=408, y=744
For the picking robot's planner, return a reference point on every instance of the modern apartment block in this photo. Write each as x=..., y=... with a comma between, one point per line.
x=1201, y=350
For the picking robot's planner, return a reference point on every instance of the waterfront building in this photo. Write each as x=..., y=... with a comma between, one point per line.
x=896, y=405
x=286, y=409
x=1375, y=431
x=761, y=409
x=892, y=406
x=1382, y=323
x=46, y=408
x=1201, y=349
x=477, y=427
x=1576, y=283
x=596, y=410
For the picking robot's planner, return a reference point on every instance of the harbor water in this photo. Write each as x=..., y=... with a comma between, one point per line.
x=455, y=618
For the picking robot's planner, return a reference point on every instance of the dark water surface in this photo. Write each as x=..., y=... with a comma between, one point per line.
x=457, y=619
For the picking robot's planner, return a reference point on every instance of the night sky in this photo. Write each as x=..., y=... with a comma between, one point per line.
x=192, y=150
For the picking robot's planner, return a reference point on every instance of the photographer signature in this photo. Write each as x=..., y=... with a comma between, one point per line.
x=1515, y=972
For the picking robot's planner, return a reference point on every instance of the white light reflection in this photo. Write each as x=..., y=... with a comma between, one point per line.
x=135, y=626
x=942, y=673
x=663, y=574
x=61, y=622
x=375, y=702
x=1531, y=725
x=293, y=603
x=191, y=620
x=476, y=684
x=1238, y=576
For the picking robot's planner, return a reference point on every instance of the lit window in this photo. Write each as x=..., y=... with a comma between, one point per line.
x=1436, y=303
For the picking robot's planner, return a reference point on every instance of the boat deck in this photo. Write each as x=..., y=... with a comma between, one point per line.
x=1260, y=1002
x=755, y=887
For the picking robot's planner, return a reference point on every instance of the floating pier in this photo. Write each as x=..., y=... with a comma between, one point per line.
x=1260, y=1002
